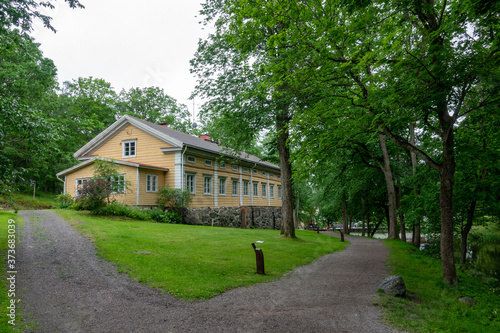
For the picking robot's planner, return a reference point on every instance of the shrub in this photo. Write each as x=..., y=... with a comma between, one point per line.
x=165, y=216
x=65, y=201
x=93, y=194
x=173, y=197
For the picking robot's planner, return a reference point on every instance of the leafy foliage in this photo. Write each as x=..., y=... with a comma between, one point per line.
x=153, y=105
x=174, y=198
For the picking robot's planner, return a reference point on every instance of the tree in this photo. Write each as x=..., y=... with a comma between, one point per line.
x=88, y=106
x=153, y=105
x=21, y=13
x=243, y=100
x=27, y=79
x=398, y=63
x=97, y=191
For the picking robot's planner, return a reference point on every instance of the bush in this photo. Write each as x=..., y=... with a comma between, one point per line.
x=65, y=201
x=93, y=195
x=165, y=216
x=119, y=209
x=173, y=197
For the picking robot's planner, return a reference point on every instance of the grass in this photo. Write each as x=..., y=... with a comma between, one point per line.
x=4, y=286
x=18, y=201
x=433, y=306
x=197, y=262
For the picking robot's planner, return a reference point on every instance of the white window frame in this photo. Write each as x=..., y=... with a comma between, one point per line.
x=222, y=165
x=235, y=167
x=208, y=163
x=207, y=179
x=122, y=190
x=246, y=188
x=263, y=173
x=151, y=182
x=192, y=189
x=279, y=176
x=264, y=190
x=255, y=189
x=222, y=185
x=280, y=193
x=271, y=175
x=82, y=181
x=193, y=159
x=255, y=171
x=245, y=169
x=234, y=187
x=271, y=190
x=126, y=143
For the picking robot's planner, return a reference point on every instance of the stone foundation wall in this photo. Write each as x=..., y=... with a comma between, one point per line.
x=235, y=217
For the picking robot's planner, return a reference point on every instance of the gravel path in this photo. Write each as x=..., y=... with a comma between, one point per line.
x=65, y=287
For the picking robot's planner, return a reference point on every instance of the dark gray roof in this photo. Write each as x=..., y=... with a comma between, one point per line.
x=195, y=142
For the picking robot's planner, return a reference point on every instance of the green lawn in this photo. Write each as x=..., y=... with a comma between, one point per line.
x=433, y=306
x=25, y=201
x=197, y=262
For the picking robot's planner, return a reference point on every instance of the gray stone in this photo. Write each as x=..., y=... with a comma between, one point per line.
x=467, y=300
x=394, y=285
x=235, y=217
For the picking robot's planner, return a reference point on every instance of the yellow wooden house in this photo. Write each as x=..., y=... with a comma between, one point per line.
x=150, y=156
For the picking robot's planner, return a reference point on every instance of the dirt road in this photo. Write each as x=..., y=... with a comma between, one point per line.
x=66, y=287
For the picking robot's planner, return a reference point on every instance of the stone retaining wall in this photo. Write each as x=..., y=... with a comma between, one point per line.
x=235, y=217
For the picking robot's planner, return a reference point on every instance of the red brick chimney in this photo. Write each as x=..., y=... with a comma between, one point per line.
x=163, y=124
x=205, y=137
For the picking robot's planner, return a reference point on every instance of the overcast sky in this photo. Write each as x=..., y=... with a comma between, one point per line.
x=127, y=43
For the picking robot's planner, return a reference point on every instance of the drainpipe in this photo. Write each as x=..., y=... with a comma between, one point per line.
x=182, y=168
x=64, y=181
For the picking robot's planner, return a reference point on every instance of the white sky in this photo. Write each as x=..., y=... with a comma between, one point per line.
x=127, y=43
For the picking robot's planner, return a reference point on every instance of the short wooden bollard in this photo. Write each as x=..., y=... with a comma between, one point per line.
x=341, y=236
x=259, y=257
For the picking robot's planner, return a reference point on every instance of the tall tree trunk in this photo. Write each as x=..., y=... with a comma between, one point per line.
x=413, y=157
x=376, y=226
x=363, y=217
x=344, y=215
x=296, y=215
x=465, y=231
x=391, y=193
x=400, y=214
x=287, y=225
x=368, y=223
x=447, y=174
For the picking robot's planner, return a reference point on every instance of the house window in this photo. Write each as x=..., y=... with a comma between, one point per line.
x=234, y=187
x=279, y=176
x=222, y=165
x=271, y=175
x=255, y=190
x=191, y=183
x=245, y=188
x=118, y=183
x=151, y=183
x=254, y=171
x=207, y=185
x=191, y=159
x=235, y=167
x=245, y=169
x=271, y=190
x=129, y=148
x=263, y=173
x=264, y=188
x=222, y=186
x=208, y=162
x=279, y=192
x=79, y=185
